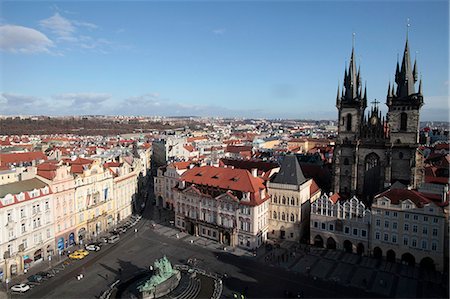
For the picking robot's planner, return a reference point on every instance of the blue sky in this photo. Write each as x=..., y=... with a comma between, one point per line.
x=275, y=59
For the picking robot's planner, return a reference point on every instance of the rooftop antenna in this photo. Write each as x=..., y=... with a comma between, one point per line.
x=353, y=39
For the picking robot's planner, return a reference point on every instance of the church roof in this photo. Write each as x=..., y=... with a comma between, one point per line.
x=290, y=172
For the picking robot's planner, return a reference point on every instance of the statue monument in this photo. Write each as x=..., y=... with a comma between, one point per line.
x=163, y=281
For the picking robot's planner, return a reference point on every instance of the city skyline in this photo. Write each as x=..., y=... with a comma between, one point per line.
x=238, y=59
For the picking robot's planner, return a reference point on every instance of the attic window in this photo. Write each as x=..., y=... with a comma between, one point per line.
x=234, y=179
x=199, y=174
x=215, y=176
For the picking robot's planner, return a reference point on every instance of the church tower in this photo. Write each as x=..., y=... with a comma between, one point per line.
x=404, y=105
x=351, y=104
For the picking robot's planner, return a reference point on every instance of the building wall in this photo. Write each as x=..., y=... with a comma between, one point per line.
x=27, y=229
x=221, y=219
x=405, y=228
x=344, y=222
x=287, y=201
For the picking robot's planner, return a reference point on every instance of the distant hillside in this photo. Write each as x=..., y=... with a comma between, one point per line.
x=91, y=126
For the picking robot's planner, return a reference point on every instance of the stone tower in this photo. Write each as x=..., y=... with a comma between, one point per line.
x=404, y=105
x=372, y=152
x=351, y=104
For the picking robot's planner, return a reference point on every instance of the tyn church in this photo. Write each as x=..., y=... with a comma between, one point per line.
x=373, y=152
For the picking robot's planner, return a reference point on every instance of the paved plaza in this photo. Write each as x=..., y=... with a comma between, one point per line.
x=338, y=267
x=313, y=272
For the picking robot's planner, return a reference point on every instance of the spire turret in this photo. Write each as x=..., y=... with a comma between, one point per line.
x=415, y=71
x=337, y=96
x=352, y=80
x=420, y=87
x=405, y=78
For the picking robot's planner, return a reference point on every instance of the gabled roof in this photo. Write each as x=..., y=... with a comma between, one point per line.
x=290, y=172
x=80, y=161
x=47, y=170
x=224, y=178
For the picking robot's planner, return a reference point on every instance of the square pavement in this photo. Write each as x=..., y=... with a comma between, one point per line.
x=406, y=288
x=333, y=255
x=304, y=263
x=322, y=268
x=383, y=283
x=342, y=272
x=350, y=258
x=362, y=277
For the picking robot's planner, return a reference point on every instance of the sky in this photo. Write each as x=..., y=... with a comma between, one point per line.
x=268, y=59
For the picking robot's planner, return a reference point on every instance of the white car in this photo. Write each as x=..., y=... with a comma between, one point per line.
x=92, y=247
x=22, y=288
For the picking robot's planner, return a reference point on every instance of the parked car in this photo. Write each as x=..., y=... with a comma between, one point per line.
x=45, y=274
x=113, y=239
x=82, y=251
x=34, y=278
x=104, y=240
x=92, y=247
x=76, y=256
x=22, y=288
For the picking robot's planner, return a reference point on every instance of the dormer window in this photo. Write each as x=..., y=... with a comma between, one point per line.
x=20, y=196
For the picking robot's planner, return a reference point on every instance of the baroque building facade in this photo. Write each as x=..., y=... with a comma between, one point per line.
x=372, y=152
x=223, y=204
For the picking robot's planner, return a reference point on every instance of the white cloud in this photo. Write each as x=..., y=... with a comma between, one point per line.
x=82, y=98
x=19, y=39
x=219, y=31
x=75, y=34
x=59, y=25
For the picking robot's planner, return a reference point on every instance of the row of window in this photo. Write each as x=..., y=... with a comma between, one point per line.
x=285, y=201
x=406, y=241
x=331, y=227
x=35, y=209
x=37, y=238
x=406, y=227
x=415, y=217
x=285, y=216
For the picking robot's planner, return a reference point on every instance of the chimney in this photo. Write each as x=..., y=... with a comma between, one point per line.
x=255, y=172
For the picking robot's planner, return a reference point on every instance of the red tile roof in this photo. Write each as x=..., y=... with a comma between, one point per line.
x=335, y=197
x=313, y=189
x=192, y=139
x=181, y=165
x=189, y=148
x=5, y=142
x=18, y=158
x=396, y=196
x=80, y=161
x=47, y=170
x=238, y=148
x=112, y=164
x=224, y=178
